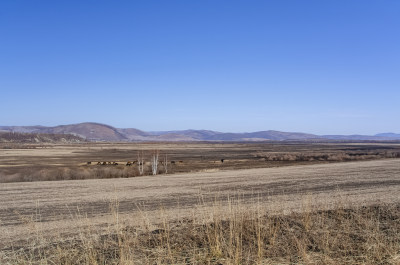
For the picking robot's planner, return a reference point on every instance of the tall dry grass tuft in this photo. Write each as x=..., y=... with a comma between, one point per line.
x=232, y=232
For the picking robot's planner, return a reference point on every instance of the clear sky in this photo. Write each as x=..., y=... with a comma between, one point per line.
x=325, y=67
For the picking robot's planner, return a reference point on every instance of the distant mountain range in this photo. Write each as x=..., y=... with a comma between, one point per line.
x=102, y=132
x=19, y=137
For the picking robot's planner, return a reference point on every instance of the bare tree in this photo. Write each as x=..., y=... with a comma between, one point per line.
x=140, y=162
x=154, y=161
x=165, y=164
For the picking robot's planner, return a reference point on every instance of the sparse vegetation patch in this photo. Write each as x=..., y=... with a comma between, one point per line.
x=356, y=235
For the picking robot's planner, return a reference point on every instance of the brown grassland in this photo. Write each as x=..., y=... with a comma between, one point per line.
x=38, y=162
x=266, y=203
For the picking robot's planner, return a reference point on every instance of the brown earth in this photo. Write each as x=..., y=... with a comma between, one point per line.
x=30, y=162
x=62, y=207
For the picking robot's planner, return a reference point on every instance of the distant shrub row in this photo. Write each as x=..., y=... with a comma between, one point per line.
x=64, y=173
x=330, y=157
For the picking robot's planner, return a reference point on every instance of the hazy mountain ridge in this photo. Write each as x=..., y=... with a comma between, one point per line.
x=102, y=132
x=267, y=135
x=22, y=129
x=90, y=131
x=389, y=135
x=376, y=137
x=24, y=137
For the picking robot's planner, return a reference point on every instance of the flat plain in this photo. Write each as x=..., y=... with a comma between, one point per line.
x=280, y=178
x=33, y=162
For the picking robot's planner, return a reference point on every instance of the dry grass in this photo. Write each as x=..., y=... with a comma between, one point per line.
x=21, y=162
x=361, y=183
x=67, y=173
x=353, y=217
x=232, y=233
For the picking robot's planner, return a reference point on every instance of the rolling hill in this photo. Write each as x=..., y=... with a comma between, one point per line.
x=389, y=135
x=90, y=131
x=23, y=137
x=101, y=132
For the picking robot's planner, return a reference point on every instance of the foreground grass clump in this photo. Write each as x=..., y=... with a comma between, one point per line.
x=357, y=235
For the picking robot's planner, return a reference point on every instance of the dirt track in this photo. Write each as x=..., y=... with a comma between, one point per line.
x=55, y=203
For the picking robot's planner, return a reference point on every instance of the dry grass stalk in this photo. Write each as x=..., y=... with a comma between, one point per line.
x=231, y=232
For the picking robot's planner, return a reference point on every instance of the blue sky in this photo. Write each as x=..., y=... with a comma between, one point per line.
x=325, y=67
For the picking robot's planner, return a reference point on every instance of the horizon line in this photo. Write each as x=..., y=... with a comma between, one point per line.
x=189, y=129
